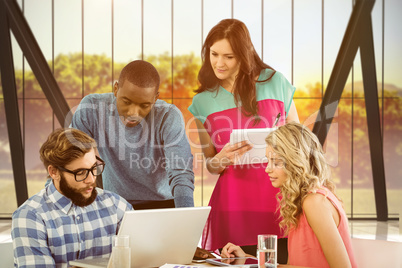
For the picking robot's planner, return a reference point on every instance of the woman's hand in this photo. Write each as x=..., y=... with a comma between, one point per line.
x=217, y=162
x=229, y=155
x=232, y=251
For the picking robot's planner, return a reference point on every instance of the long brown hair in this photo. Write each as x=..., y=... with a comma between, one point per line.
x=244, y=88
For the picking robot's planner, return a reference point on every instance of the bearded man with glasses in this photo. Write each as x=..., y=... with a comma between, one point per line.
x=70, y=218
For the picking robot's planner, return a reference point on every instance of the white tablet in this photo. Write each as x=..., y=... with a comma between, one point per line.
x=256, y=136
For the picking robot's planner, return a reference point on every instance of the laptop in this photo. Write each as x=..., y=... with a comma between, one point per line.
x=159, y=236
x=91, y=263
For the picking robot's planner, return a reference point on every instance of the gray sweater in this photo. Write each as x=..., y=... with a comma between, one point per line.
x=148, y=162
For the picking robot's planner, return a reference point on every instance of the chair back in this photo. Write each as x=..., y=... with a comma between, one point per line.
x=6, y=255
x=377, y=253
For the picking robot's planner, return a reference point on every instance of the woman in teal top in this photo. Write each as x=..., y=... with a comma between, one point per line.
x=238, y=90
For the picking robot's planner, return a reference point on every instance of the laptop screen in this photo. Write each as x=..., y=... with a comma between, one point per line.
x=160, y=236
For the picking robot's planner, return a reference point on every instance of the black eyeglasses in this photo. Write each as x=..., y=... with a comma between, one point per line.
x=82, y=174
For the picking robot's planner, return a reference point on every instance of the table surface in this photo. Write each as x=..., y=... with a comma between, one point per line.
x=207, y=264
x=203, y=264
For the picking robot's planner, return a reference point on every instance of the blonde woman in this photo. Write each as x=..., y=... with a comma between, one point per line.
x=312, y=215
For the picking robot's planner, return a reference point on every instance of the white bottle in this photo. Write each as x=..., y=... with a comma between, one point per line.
x=121, y=254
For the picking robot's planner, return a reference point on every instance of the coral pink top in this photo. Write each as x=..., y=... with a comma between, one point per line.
x=304, y=247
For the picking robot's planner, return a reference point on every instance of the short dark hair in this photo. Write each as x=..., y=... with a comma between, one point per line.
x=140, y=73
x=65, y=145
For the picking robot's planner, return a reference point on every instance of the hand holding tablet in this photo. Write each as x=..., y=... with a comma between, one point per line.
x=256, y=137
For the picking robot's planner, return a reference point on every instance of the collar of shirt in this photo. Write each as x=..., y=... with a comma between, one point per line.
x=60, y=201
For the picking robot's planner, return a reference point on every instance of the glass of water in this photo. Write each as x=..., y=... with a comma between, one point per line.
x=267, y=250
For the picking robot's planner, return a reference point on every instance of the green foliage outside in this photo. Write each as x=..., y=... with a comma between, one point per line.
x=79, y=75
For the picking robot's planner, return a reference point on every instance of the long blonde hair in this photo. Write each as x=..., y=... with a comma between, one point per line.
x=305, y=166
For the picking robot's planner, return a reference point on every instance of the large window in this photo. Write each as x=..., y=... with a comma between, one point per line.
x=87, y=42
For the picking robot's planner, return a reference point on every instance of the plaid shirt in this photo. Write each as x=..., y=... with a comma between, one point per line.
x=48, y=230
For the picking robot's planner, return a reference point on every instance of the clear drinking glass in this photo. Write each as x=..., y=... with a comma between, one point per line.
x=121, y=252
x=267, y=250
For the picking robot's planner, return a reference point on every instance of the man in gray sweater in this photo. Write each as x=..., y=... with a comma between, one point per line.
x=142, y=140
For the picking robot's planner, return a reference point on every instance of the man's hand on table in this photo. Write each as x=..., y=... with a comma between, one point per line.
x=201, y=253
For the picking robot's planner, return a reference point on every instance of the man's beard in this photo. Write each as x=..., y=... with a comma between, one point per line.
x=76, y=196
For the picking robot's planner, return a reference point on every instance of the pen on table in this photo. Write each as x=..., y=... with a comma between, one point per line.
x=277, y=119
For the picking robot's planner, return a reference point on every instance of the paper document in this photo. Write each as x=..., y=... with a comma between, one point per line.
x=256, y=136
x=181, y=266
